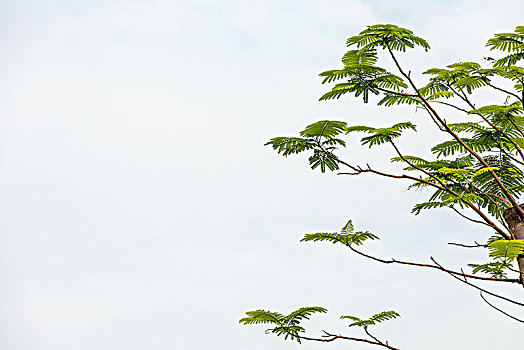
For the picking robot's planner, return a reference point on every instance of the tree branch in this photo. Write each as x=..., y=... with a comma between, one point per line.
x=476, y=245
x=331, y=337
x=477, y=287
x=519, y=150
x=499, y=310
x=518, y=209
x=359, y=170
x=450, y=105
x=449, y=190
x=506, y=92
x=436, y=266
x=468, y=218
x=369, y=334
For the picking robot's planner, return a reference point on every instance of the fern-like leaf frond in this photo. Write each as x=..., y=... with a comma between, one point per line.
x=286, y=325
x=324, y=128
x=373, y=320
x=509, y=249
x=387, y=36
x=494, y=269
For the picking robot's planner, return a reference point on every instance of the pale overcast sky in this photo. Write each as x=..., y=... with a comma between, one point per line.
x=139, y=209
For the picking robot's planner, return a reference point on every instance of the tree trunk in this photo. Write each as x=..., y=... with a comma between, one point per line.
x=516, y=226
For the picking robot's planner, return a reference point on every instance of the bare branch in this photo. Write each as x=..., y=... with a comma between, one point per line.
x=477, y=287
x=476, y=245
x=506, y=92
x=331, y=337
x=499, y=310
x=436, y=266
x=468, y=218
x=374, y=338
x=450, y=105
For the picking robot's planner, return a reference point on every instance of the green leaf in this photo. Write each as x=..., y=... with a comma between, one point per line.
x=471, y=83
x=453, y=171
x=359, y=128
x=448, y=148
x=508, y=42
x=385, y=316
x=440, y=94
x=301, y=314
x=347, y=229
x=494, y=238
x=506, y=248
x=381, y=135
x=373, y=320
x=361, y=79
x=324, y=128
x=466, y=127
x=346, y=236
x=290, y=145
x=494, y=269
x=427, y=205
x=485, y=170
x=286, y=325
x=323, y=159
x=318, y=137
x=356, y=238
x=390, y=99
x=356, y=57
x=387, y=35
x=261, y=316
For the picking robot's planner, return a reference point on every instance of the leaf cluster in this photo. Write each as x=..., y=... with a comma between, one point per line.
x=320, y=137
x=495, y=269
x=323, y=139
x=508, y=42
x=470, y=182
x=286, y=325
x=381, y=135
x=479, y=167
x=458, y=77
x=506, y=249
x=469, y=179
x=387, y=36
x=362, y=76
x=346, y=236
x=503, y=252
x=373, y=320
x=290, y=325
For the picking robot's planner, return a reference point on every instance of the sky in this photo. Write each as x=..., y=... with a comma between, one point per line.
x=139, y=208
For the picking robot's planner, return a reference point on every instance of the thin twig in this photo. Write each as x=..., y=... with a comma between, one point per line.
x=372, y=336
x=506, y=92
x=436, y=266
x=450, y=105
x=477, y=245
x=468, y=218
x=477, y=287
x=499, y=310
x=331, y=337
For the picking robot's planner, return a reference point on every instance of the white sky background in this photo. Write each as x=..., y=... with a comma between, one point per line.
x=139, y=209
